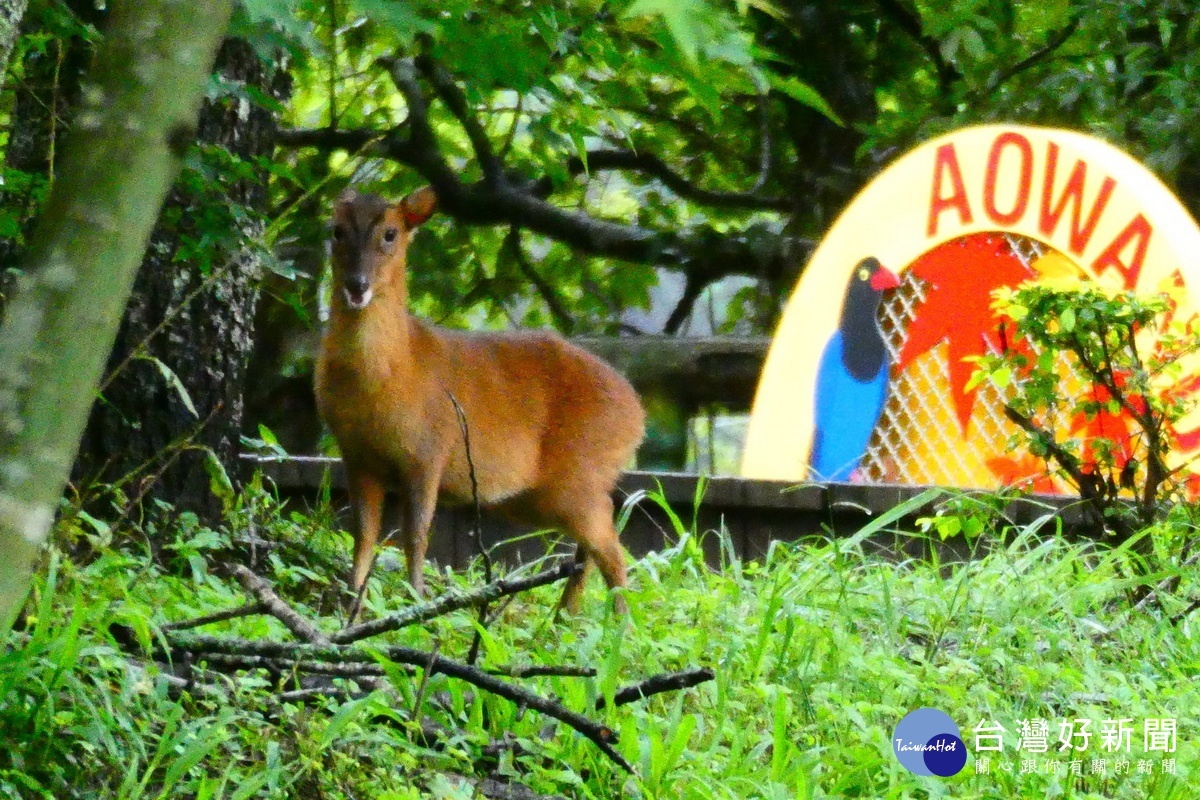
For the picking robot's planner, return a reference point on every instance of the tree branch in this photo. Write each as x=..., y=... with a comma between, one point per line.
x=910, y=22
x=655, y=167
x=691, y=290
x=350, y=139
x=600, y=735
x=465, y=426
x=703, y=253
x=1093, y=491
x=667, y=682
x=1056, y=41
x=420, y=150
x=494, y=789
x=266, y=596
x=225, y=661
x=247, y=610
x=512, y=244
x=540, y=671
x=452, y=601
x=443, y=83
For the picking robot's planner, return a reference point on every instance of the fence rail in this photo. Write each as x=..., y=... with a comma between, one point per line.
x=754, y=512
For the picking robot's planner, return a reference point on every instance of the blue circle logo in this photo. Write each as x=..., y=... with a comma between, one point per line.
x=927, y=742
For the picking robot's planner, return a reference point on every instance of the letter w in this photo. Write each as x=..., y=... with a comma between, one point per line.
x=1072, y=191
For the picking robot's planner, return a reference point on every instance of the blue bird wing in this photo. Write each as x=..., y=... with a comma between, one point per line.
x=847, y=411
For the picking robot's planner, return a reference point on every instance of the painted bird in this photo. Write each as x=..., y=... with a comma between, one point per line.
x=852, y=377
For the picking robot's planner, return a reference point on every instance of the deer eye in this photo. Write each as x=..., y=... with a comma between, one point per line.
x=339, y=233
x=390, y=235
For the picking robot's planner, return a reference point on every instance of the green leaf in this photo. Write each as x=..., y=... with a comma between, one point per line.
x=683, y=19
x=397, y=16
x=804, y=94
x=251, y=18
x=195, y=751
x=1067, y=319
x=580, y=147
x=102, y=529
x=345, y=715
x=218, y=478
x=10, y=226
x=973, y=43
x=680, y=737
x=172, y=381
x=267, y=436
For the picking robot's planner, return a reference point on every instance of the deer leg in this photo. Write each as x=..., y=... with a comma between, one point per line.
x=366, y=499
x=418, y=517
x=592, y=527
x=573, y=591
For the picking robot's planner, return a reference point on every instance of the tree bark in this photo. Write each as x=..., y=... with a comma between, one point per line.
x=194, y=319
x=48, y=88
x=11, y=13
x=120, y=161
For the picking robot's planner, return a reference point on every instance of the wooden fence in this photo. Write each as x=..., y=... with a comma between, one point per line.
x=753, y=512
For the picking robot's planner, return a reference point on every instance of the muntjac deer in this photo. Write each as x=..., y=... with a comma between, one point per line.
x=550, y=426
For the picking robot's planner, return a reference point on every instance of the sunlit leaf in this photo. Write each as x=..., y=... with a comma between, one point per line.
x=803, y=93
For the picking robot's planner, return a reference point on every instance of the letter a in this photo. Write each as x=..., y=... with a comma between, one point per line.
x=1138, y=228
x=946, y=163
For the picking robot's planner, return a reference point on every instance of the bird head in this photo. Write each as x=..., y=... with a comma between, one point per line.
x=879, y=277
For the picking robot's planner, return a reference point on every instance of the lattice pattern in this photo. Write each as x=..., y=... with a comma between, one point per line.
x=918, y=439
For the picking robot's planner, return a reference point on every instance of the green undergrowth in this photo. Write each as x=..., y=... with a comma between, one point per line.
x=819, y=649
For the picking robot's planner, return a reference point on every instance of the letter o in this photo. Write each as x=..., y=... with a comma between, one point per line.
x=993, y=169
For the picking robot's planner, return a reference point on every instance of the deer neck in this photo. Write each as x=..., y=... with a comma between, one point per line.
x=376, y=341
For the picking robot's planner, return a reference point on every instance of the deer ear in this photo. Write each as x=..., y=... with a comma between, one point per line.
x=418, y=206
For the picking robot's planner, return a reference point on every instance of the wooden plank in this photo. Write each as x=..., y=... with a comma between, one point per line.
x=755, y=512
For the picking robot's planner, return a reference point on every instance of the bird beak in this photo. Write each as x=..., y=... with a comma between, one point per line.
x=883, y=279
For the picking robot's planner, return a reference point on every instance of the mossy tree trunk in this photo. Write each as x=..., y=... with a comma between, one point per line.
x=11, y=12
x=119, y=162
x=45, y=90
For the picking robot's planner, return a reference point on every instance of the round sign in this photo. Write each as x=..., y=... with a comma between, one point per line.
x=867, y=378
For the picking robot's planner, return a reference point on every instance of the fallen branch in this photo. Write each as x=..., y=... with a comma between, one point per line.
x=247, y=610
x=600, y=735
x=498, y=790
x=1165, y=586
x=658, y=684
x=539, y=671
x=1178, y=618
x=277, y=607
x=321, y=657
x=304, y=695
x=453, y=601
x=226, y=662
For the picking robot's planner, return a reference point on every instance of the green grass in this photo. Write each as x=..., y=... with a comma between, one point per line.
x=819, y=650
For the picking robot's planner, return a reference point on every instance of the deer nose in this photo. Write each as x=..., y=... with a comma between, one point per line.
x=357, y=285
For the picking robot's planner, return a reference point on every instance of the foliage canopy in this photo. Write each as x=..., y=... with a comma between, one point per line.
x=579, y=145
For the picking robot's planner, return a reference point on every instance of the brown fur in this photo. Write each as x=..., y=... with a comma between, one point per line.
x=551, y=426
